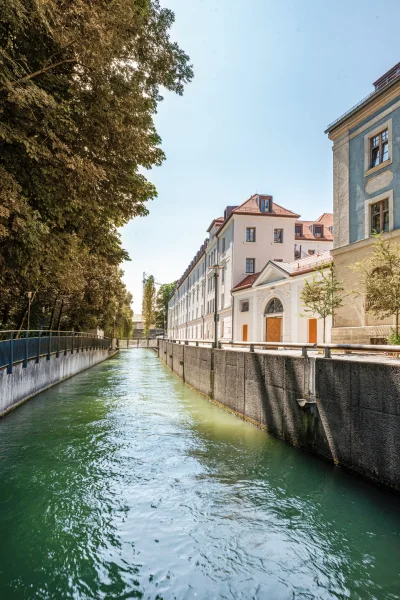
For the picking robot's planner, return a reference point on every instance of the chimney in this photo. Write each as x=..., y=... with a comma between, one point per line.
x=227, y=212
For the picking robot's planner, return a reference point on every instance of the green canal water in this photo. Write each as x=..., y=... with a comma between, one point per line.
x=124, y=483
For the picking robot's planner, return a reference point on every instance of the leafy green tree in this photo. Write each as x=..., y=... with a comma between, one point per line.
x=149, y=295
x=79, y=86
x=164, y=295
x=322, y=294
x=380, y=280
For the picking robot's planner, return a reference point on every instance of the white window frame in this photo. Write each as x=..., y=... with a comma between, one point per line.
x=254, y=265
x=368, y=170
x=367, y=211
x=246, y=241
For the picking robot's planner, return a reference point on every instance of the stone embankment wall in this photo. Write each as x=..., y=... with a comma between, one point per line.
x=23, y=383
x=352, y=414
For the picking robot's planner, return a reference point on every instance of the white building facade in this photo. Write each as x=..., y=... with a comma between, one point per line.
x=239, y=244
x=268, y=307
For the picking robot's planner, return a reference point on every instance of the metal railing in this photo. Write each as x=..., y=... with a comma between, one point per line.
x=22, y=346
x=364, y=348
x=304, y=347
x=191, y=342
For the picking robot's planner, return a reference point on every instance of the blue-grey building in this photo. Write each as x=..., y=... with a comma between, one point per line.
x=366, y=196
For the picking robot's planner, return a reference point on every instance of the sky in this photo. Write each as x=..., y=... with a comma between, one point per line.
x=269, y=76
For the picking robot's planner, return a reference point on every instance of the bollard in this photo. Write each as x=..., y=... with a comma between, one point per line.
x=304, y=352
x=327, y=352
x=10, y=355
x=251, y=347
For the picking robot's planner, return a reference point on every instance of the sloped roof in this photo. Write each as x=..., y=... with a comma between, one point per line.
x=251, y=206
x=246, y=282
x=218, y=221
x=305, y=265
x=297, y=267
x=326, y=219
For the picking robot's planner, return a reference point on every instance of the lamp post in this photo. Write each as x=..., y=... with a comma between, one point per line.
x=216, y=268
x=29, y=294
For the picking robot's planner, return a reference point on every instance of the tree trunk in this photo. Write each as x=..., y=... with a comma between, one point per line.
x=22, y=319
x=60, y=314
x=6, y=313
x=397, y=323
x=52, y=314
x=324, y=331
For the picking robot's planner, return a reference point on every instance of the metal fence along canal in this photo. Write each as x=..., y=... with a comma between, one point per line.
x=123, y=482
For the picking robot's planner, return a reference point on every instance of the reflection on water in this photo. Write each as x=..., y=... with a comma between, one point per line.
x=124, y=483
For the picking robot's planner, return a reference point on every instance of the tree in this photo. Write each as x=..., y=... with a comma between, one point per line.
x=79, y=87
x=164, y=295
x=149, y=295
x=380, y=280
x=322, y=294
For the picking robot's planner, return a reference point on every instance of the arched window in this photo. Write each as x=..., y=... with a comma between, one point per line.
x=274, y=306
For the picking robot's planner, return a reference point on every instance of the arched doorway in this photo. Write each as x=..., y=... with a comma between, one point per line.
x=273, y=320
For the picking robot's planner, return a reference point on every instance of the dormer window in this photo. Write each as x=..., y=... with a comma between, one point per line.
x=318, y=231
x=265, y=204
x=298, y=230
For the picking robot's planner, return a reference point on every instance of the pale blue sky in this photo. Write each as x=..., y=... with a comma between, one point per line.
x=269, y=77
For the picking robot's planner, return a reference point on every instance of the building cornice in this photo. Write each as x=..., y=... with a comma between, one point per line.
x=395, y=233
x=363, y=110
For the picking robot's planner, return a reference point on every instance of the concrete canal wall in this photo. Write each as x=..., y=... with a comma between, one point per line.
x=23, y=383
x=352, y=414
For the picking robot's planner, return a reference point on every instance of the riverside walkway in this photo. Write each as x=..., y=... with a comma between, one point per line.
x=124, y=483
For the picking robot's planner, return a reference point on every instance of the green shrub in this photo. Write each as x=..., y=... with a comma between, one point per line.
x=393, y=338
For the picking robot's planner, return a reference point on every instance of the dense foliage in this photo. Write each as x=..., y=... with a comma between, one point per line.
x=79, y=85
x=164, y=295
x=148, y=303
x=380, y=280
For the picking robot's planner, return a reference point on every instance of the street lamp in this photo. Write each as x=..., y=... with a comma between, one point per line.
x=29, y=294
x=216, y=268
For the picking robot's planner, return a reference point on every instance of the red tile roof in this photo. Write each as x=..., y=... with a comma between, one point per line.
x=251, y=206
x=219, y=221
x=326, y=219
x=246, y=282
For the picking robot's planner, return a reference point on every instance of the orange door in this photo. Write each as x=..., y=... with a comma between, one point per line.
x=274, y=329
x=312, y=331
x=244, y=333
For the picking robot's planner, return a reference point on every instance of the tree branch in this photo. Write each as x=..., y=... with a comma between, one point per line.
x=41, y=71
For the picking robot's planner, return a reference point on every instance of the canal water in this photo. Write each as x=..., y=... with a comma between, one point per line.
x=124, y=483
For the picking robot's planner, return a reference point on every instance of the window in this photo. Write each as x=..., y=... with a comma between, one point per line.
x=318, y=231
x=223, y=245
x=244, y=306
x=274, y=306
x=278, y=236
x=222, y=300
x=379, y=148
x=250, y=234
x=380, y=216
x=297, y=251
x=298, y=230
x=311, y=252
x=250, y=265
x=223, y=275
x=265, y=205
